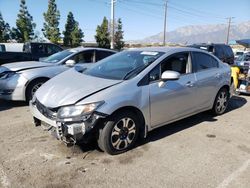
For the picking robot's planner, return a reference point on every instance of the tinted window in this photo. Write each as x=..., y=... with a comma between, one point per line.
x=102, y=54
x=239, y=53
x=84, y=57
x=229, y=51
x=204, y=61
x=39, y=49
x=51, y=49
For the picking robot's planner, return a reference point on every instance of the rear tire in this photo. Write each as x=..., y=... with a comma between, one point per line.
x=221, y=102
x=119, y=133
x=33, y=87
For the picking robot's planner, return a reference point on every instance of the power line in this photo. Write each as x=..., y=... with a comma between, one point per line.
x=196, y=10
x=141, y=12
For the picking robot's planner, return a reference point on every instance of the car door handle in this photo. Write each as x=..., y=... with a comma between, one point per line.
x=190, y=84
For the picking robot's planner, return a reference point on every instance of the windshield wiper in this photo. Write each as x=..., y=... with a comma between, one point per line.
x=133, y=71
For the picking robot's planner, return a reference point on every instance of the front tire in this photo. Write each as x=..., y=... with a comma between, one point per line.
x=119, y=133
x=33, y=87
x=221, y=102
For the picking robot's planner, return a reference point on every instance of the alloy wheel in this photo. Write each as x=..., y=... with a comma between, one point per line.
x=222, y=101
x=123, y=133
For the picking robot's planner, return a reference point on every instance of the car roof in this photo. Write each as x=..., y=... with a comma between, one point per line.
x=80, y=49
x=167, y=49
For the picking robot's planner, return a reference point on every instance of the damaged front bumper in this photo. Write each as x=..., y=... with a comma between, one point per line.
x=70, y=132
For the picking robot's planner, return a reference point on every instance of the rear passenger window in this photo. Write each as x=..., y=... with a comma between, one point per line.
x=219, y=52
x=204, y=61
x=229, y=51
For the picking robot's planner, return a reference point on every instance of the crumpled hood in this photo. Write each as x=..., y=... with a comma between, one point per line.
x=71, y=87
x=19, y=66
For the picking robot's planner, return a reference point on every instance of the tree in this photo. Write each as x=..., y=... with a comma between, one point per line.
x=50, y=26
x=118, y=38
x=102, y=34
x=73, y=34
x=4, y=30
x=77, y=35
x=24, y=24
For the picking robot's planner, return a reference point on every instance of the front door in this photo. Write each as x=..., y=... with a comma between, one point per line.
x=175, y=99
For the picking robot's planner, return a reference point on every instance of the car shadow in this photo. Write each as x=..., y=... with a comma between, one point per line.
x=6, y=105
x=235, y=103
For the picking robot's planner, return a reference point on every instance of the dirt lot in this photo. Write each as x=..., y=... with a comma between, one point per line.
x=200, y=151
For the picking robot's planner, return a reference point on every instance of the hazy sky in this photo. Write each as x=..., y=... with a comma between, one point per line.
x=141, y=18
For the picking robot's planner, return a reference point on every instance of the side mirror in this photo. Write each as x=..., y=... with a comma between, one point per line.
x=168, y=75
x=70, y=63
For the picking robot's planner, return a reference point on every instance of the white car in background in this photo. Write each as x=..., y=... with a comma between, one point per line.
x=19, y=81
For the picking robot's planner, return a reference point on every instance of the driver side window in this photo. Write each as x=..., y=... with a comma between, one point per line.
x=179, y=62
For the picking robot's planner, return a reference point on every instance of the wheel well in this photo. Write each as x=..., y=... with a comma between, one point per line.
x=226, y=87
x=34, y=80
x=139, y=115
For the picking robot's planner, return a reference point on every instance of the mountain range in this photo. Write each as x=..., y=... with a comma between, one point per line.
x=201, y=33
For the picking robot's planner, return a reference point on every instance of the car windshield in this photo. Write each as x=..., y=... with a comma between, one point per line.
x=55, y=58
x=123, y=65
x=245, y=57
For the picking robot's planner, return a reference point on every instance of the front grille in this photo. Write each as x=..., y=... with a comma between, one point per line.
x=47, y=112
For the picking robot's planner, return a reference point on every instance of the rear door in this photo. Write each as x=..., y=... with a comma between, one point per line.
x=175, y=99
x=207, y=74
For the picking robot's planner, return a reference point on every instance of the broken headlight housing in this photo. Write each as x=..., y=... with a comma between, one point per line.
x=78, y=112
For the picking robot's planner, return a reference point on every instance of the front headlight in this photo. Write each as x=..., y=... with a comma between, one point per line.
x=7, y=74
x=78, y=112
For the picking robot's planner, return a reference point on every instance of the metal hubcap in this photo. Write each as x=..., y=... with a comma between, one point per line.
x=222, y=102
x=35, y=88
x=123, y=133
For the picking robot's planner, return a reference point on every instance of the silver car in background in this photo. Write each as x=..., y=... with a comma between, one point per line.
x=130, y=94
x=19, y=81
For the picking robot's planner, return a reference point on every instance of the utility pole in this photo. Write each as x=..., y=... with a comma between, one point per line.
x=165, y=23
x=228, y=28
x=112, y=23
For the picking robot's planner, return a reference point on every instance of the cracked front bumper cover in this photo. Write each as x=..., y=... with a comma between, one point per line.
x=68, y=132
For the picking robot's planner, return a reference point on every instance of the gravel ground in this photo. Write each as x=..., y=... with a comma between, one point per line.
x=200, y=151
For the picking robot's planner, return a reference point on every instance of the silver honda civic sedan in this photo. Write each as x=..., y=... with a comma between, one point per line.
x=19, y=81
x=129, y=94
